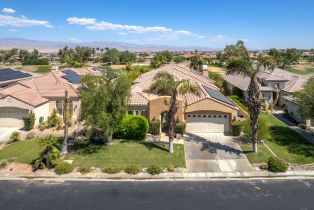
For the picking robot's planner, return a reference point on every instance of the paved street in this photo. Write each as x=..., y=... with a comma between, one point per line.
x=258, y=194
x=214, y=153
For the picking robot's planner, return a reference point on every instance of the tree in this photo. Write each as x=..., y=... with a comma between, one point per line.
x=178, y=59
x=239, y=61
x=305, y=100
x=285, y=58
x=103, y=104
x=218, y=78
x=165, y=84
x=161, y=58
x=127, y=57
x=196, y=62
x=111, y=56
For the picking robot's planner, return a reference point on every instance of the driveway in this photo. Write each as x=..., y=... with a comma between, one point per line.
x=5, y=133
x=206, y=152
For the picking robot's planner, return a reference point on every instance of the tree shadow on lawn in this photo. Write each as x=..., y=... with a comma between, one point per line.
x=211, y=146
x=149, y=145
x=295, y=143
x=87, y=147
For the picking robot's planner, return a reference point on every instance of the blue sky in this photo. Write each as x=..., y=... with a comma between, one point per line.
x=261, y=24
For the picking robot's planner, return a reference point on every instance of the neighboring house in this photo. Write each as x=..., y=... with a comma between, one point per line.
x=209, y=112
x=274, y=83
x=9, y=76
x=40, y=95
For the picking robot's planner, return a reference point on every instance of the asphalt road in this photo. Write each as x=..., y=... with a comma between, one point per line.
x=257, y=194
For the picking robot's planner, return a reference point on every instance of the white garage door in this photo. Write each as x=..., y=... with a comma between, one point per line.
x=207, y=123
x=12, y=117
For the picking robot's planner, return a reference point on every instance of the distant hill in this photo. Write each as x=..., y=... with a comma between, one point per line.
x=54, y=46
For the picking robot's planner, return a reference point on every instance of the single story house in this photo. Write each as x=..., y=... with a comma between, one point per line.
x=209, y=112
x=9, y=76
x=40, y=95
x=278, y=81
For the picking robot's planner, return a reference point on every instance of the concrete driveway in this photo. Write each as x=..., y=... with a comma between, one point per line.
x=206, y=152
x=5, y=133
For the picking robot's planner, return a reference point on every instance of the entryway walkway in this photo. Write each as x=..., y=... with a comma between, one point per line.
x=206, y=152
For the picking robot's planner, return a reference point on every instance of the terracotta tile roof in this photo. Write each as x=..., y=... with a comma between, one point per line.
x=40, y=89
x=139, y=96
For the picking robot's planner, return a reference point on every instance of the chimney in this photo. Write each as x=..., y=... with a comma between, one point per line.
x=205, y=70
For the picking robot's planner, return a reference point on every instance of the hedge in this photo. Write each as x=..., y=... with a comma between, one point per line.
x=236, y=129
x=132, y=127
x=29, y=121
x=154, y=127
x=275, y=164
x=180, y=128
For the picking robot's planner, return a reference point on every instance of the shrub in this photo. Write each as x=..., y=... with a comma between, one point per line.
x=54, y=120
x=50, y=154
x=275, y=164
x=63, y=168
x=85, y=169
x=132, y=127
x=3, y=164
x=132, y=169
x=42, y=126
x=29, y=121
x=237, y=128
x=30, y=135
x=180, y=128
x=264, y=166
x=171, y=168
x=154, y=127
x=15, y=136
x=154, y=169
x=112, y=169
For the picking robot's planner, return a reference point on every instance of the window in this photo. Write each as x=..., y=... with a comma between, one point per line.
x=220, y=116
x=204, y=115
x=199, y=116
x=215, y=116
x=189, y=115
x=130, y=112
x=225, y=116
x=194, y=115
x=209, y=116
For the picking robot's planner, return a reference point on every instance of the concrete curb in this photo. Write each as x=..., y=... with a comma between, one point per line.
x=169, y=176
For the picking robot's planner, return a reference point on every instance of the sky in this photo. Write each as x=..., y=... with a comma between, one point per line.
x=262, y=24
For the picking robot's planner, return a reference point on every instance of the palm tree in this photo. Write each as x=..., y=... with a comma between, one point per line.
x=240, y=62
x=196, y=63
x=165, y=84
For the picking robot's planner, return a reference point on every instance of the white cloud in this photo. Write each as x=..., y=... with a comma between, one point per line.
x=8, y=10
x=92, y=24
x=8, y=20
x=81, y=21
x=220, y=37
x=227, y=39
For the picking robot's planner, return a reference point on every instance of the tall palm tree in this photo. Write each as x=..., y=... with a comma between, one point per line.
x=241, y=63
x=165, y=84
x=196, y=63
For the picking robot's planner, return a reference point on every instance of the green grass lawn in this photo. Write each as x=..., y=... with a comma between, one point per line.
x=40, y=69
x=122, y=153
x=126, y=153
x=283, y=141
x=43, y=69
x=302, y=69
x=21, y=152
x=262, y=153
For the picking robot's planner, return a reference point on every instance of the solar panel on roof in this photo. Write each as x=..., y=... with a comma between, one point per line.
x=218, y=95
x=71, y=76
x=10, y=74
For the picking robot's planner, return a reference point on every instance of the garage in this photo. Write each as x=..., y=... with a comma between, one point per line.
x=12, y=117
x=208, y=123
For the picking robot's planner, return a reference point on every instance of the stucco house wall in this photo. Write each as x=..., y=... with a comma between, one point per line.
x=161, y=104
x=41, y=111
x=211, y=105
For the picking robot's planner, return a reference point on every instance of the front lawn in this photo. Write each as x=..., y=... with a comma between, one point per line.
x=21, y=152
x=262, y=153
x=122, y=153
x=283, y=141
x=303, y=69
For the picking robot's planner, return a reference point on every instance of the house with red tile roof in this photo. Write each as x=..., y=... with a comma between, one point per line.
x=209, y=112
x=39, y=95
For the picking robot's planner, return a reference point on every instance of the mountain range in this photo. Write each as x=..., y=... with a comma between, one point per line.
x=54, y=46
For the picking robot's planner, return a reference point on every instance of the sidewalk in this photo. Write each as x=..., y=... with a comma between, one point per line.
x=97, y=175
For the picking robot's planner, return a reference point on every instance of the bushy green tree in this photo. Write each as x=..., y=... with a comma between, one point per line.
x=103, y=103
x=161, y=58
x=305, y=100
x=111, y=56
